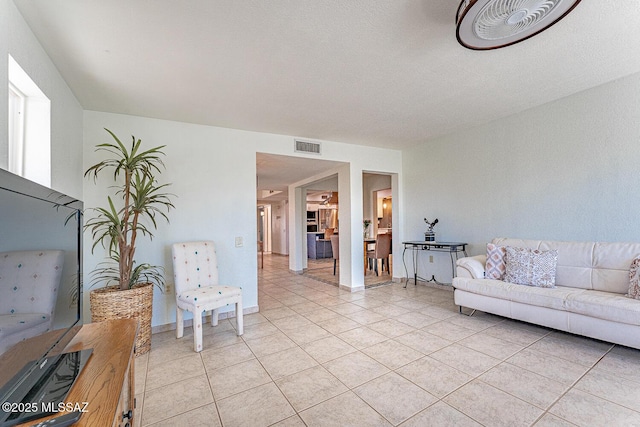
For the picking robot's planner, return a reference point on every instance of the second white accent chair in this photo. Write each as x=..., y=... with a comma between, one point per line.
x=195, y=268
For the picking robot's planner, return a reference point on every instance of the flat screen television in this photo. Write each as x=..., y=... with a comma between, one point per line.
x=37, y=220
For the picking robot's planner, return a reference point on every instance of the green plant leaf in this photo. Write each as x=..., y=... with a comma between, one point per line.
x=141, y=200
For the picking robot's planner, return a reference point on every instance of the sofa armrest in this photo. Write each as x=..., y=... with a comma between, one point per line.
x=471, y=267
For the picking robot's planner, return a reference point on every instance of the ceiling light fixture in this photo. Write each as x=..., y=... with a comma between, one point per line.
x=492, y=24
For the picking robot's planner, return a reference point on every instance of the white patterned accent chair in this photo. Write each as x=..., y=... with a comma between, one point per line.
x=29, y=282
x=195, y=268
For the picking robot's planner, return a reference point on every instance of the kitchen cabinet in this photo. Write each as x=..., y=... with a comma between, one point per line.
x=318, y=247
x=328, y=218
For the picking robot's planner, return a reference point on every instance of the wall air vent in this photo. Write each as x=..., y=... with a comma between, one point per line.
x=307, y=147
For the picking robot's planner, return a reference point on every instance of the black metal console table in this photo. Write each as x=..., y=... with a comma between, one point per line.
x=454, y=248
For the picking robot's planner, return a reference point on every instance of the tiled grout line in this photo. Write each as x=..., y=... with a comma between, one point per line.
x=502, y=361
x=297, y=413
x=351, y=389
x=569, y=388
x=139, y=405
x=215, y=401
x=273, y=288
x=545, y=410
x=477, y=378
x=579, y=379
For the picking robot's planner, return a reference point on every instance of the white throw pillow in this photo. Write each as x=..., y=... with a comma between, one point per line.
x=495, y=266
x=531, y=267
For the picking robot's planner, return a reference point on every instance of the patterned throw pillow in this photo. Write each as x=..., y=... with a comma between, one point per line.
x=531, y=267
x=496, y=262
x=634, y=279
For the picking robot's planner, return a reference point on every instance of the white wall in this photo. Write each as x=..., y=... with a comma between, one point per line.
x=66, y=113
x=279, y=228
x=567, y=170
x=213, y=174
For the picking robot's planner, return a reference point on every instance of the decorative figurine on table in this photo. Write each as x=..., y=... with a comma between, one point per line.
x=365, y=227
x=430, y=235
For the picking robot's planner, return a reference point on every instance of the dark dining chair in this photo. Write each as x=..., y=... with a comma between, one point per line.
x=335, y=248
x=381, y=252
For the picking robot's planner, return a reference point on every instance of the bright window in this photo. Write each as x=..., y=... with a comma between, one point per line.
x=16, y=129
x=29, y=127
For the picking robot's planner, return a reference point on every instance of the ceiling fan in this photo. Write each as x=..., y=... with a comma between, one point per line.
x=492, y=24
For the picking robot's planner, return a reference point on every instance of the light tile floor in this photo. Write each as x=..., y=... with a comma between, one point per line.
x=319, y=356
x=322, y=270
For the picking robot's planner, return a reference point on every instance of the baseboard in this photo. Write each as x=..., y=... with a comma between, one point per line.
x=350, y=289
x=207, y=319
x=444, y=287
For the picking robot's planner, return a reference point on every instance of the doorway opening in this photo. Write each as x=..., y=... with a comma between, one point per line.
x=274, y=176
x=377, y=208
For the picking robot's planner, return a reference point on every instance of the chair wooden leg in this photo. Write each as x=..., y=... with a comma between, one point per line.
x=179, y=323
x=197, y=331
x=334, y=267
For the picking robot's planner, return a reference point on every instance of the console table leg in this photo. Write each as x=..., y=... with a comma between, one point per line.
x=415, y=268
x=434, y=280
x=406, y=272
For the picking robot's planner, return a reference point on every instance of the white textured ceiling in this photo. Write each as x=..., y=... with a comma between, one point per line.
x=385, y=73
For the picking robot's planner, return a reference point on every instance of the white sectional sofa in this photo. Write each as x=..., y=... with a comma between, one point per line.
x=589, y=299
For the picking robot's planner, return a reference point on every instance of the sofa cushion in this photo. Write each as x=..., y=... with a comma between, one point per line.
x=604, y=305
x=495, y=266
x=531, y=267
x=543, y=297
x=601, y=266
x=634, y=279
x=598, y=304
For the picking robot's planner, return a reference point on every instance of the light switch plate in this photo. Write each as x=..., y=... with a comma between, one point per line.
x=239, y=242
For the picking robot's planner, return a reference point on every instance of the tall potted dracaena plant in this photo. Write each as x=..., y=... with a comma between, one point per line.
x=139, y=201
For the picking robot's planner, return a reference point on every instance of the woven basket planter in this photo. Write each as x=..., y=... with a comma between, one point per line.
x=110, y=303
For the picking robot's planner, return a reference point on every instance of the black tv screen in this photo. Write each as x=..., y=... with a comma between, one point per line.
x=35, y=221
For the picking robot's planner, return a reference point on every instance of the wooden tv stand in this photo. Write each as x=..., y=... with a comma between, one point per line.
x=106, y=382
